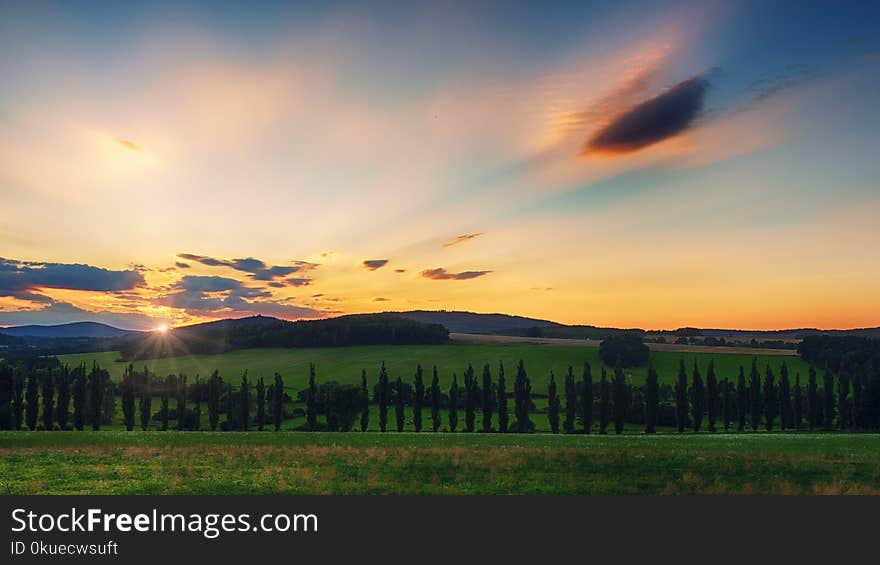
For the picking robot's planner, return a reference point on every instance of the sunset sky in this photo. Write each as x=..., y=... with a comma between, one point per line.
x=646, y=164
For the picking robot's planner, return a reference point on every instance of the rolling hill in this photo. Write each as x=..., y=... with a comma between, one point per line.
x=74, y=329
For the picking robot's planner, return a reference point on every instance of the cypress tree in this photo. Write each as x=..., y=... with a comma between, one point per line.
x=728, y=408
x=681, y=403
x=620, y=399
x=742, y=400
x=755, y=396
x=245, y=402
x=435, y=401
x=311, y=400
x=487, y=402
x=128, y=397
x=278, y=402
x=798, y=403
x=146, y=400
x=587, y=399
x=80, y=388
x=214, y=400
x=828, y=397
x=230, y=417
x=856, y=416
x=812, y=400
x=96, y=395
x=652, y=398
x=197, y=403
x=453, y=403
x=261, y=404
x=63, y=407
x=523, y=393
x=182, y=423
x=418, y=399
x=785, y=412
x=698, y=394
x=570, y=401
x=770, y=400
x=502, y=400
x=48, y=394
x=382, y=393
x=842, y=394
x=32, y=396
x=469, y=399
x=399, y=406
x=553, y=404
x=603, y=402
x=365, y=409
x=711, y=395
x=17, y=398
x=164, y=395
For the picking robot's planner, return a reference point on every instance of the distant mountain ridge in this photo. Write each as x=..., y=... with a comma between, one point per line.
x=73, y=329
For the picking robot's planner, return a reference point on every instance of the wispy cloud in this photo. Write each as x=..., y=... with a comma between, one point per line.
x=461, y=239
x=441, y=274
x=258, y=269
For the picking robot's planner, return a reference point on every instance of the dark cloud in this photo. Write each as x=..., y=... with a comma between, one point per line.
x=276, y=284
x=441, y=274
x=181, y=265
x=23, y=279
x=258, y=269
x=652, y=121
x=399, y=270
x=299, y=281
x=381, y=299
x=461, y=239
x=373, y=264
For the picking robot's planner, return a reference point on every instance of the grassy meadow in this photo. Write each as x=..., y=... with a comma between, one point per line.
x=373, y=463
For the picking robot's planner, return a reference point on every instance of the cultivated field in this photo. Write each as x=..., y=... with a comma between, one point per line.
x=372, y=463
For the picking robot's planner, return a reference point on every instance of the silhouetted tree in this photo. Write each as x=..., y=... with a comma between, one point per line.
x=711, y=395
x=182, y=423
x=197, y=392
x=604, y=400
x=63, y=407
x=399, y=406
x=278, y=402
x=365, y=397
x=553, y=405
x=797, y=403
x=32, y=397
x=48, y=395
x=742, y=400
x=728, y=404
x=842, y=394
x=245, y=407
x=128, y=397
x=453, y=403
x=828, y=397
x=587, y=399
x=698, y=394
x=382, y=392
x=502, y=400
x=470, y=399
x=164, y=395
x=523, y=394
x=570, y=401
x=261, y=404
x=418, y=399
x=856, y=415
x=311, y=397
x=97, y=379
x=652, y=399
x=146, y=402
x=812, y=400
x=770, y=400
x=214, y=400
x=755, y=396
x=487, y=402
x=621, y=399
x=17, y=398
x=681, y=393
x=786, y=419
x=80, y=387
x=435, y=401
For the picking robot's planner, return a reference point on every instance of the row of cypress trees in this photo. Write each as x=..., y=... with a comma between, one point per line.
x=43, y=399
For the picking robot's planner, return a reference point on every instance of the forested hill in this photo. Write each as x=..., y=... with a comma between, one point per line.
x=472, y=322
x=75, y=329
x=262, y=331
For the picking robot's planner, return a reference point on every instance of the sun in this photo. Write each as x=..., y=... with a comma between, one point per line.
x=162, y=328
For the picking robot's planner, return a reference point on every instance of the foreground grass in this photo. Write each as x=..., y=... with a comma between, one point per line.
x=373, y=463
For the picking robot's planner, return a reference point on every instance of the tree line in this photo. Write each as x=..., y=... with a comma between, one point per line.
x=47, y=395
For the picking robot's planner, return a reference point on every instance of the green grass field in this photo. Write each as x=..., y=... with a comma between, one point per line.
x=372, y=463
x=344, y=364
